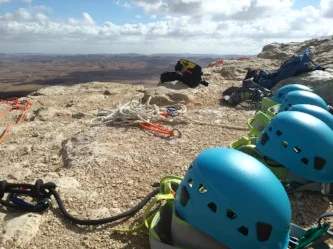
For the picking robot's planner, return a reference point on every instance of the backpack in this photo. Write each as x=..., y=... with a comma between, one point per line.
x=190, y=73
x=187, y=72
x=294, y=66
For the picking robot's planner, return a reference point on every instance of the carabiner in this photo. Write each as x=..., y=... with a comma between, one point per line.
x=20, y=204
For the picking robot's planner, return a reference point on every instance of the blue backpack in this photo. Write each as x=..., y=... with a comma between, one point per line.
x=294, y=66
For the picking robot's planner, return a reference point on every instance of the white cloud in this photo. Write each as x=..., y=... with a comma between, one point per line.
x=40, y=17
x=214, y=8
x=193, y=26
x=21, y=14
x=327, y=8
x=4, y=1
x=7, y=1
x=127, y=5
x=86, y=20
x=121, y=3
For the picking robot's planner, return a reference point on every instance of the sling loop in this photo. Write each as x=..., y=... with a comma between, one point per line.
x=15, y=104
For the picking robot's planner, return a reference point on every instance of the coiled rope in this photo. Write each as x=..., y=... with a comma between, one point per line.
x=136, y=113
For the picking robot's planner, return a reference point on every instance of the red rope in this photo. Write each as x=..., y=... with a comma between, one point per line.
x=159, y=129
x=15, y=104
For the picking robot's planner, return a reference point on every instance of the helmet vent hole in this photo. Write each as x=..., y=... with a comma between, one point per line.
x=319, y=163
x=285, y=144
x=278, y=132
x=243, y=230
x=212, y=206
x=202, y=189
x=263, y=231
x=190, y=182
x=297, y=149
x=231, y=214
x=270, y=129
x=264, y=138
x=304, y=160
x=280, y=95
x=184, y=197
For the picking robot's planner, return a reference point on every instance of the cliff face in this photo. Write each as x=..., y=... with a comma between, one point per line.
x=104, y=170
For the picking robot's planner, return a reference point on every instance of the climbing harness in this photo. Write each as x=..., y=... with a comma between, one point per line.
x=136, y=113
x=15, y=104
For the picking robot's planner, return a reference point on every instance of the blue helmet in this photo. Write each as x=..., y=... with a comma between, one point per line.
x=301, y=97
x=282, y=92
x=315, y=111
x=227, y=194
x=300, y=142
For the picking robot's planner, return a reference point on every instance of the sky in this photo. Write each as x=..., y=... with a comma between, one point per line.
x=159, y=26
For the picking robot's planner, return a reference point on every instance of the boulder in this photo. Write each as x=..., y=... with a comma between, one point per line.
x=162, y=96
x=320, y=81
x=322, y=49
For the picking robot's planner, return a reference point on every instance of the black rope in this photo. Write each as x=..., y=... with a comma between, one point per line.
x=324, y=215
x=43, y=192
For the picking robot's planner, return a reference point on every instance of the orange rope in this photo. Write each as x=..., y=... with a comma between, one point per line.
x=15, y=104
x=159, y=129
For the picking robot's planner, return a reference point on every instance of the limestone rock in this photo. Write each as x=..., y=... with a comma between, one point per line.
x=176, y=85
x=162, y=96
x=50, y=91
x=320, y=81
x=49, y=113
x=237, y=69
x=322, y=49
x=19, y=228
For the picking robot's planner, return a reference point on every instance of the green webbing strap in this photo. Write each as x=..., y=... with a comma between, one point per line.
x=258, y=123
x=168, y=186
x=243, y=141
x=157, y=198
x=272, y=111
x=312, y=235
x=266, y=103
